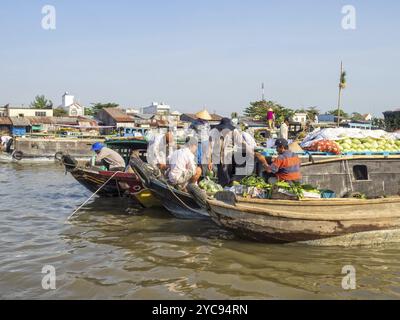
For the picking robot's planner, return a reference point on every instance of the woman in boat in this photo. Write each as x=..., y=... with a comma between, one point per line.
x=286, y=167
x=183, y=168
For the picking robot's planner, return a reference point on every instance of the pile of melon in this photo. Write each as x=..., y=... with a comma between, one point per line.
x=368, y=145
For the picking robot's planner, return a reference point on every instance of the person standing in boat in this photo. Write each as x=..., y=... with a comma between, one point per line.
x=284, y=129
x=183, y=168
x=286, y=167
x=111, y=159
x=271, y=118
x=224, y=140
x=201, y=128
x=160, y=146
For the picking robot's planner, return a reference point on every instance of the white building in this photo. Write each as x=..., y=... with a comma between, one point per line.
x=74, y=109
x=367, y=117
x=157, y=108
x=300, y=117
x=21, y=112
x=132, y=111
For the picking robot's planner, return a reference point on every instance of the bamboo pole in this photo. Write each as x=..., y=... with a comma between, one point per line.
x=340, y=93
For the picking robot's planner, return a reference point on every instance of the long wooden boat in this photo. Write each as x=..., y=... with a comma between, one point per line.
x=180, y=204
x=302, y=220
x=123, y=184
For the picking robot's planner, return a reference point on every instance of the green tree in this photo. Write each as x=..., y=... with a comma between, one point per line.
x=342, y=113
x=59, y=112
x=41, y=102
x=380, y=123
x=312, y=112
x=259, y=109
x=355, y=116
x=96, y=107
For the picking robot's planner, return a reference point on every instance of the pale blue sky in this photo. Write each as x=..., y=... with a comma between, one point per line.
x=192, y=54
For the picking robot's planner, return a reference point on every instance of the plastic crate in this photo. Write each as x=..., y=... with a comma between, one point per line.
x=328, y=194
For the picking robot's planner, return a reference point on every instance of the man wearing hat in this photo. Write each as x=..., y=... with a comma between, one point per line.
x=201, y=127
x=286, y=167
x=111, y=159
x=224, y=139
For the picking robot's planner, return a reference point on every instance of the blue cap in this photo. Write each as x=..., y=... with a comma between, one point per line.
x=97, y=146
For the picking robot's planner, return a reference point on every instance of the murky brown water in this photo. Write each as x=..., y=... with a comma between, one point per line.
x=111, y=252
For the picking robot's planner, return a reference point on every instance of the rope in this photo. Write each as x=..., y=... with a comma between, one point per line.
x=80, y=207
x=184, y=204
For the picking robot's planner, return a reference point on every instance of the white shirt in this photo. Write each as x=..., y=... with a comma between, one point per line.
x=5, y=139
x=182, y=163
x=284, y=131
x=157, y=150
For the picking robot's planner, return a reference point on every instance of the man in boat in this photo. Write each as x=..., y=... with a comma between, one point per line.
x=183, y=167
x=111, y=159
x=284, y=129
x=286, y=167
x=224, y=140
x=201, y=128
x=160, y=146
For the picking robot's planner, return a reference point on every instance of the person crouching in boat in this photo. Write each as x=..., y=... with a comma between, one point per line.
x=183, y=168
x=107, y=157
x=159, y=149
x=286, y=167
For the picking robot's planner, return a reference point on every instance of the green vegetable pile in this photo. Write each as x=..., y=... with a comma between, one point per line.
x=296, y=188
x=210, y=186
x=255, y=181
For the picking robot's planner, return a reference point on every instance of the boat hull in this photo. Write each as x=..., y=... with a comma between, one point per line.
x=122, y=184
x=304, y=220
x=180, y=204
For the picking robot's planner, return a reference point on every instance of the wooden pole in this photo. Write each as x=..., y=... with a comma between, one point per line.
x=340, y=93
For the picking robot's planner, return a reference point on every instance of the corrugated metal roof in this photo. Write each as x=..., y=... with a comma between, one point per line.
x=65, y=120
x=40, y=120
x=20, y=122
x=5, y=121
x=118, y=115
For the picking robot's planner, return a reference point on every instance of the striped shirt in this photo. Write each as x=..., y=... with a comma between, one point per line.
x=286, y=167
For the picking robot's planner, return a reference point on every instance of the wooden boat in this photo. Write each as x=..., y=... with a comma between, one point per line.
x=373, y=176
x=180, y=204
x=302, y=220
x=121, y=185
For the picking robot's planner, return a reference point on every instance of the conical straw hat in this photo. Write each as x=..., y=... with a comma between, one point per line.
x=203, y=115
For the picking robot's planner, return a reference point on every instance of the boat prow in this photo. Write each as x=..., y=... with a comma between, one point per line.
x=180, y=204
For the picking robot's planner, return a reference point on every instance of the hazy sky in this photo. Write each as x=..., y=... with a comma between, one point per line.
x=191, y=54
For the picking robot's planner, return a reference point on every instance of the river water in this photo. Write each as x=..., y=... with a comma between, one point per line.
x=112, y=251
